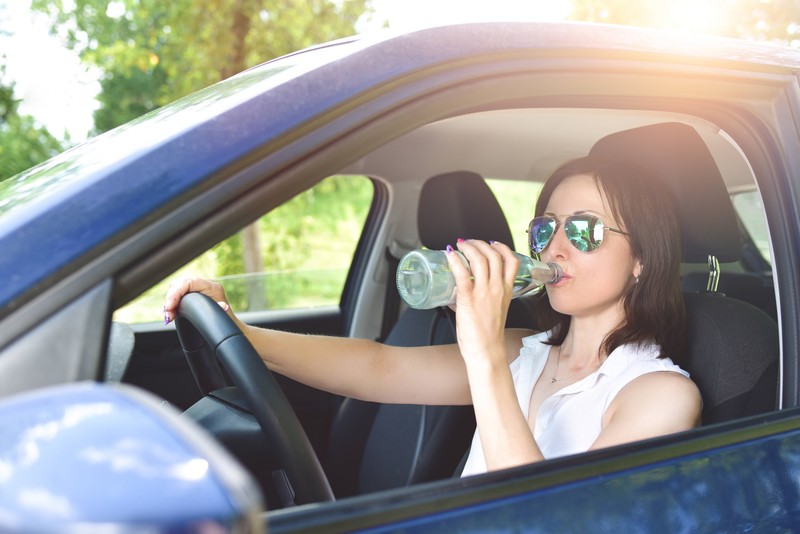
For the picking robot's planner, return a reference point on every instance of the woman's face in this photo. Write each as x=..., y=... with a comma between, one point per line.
x=595, y=281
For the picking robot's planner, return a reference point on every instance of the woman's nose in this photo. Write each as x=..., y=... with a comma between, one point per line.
x=559, y=246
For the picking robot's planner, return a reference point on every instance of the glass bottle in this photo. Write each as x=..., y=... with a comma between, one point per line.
x=424, y=279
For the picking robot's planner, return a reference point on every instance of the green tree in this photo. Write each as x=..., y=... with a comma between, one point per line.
x=127, y=95
x=23, y=142
x=153, y=52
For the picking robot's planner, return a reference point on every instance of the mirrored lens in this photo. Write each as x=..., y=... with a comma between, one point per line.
x=585, y=232
x=540, y=232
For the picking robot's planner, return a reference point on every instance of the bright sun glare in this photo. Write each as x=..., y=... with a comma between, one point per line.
x=694, y=15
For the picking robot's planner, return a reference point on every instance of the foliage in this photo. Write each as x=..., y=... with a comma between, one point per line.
x=125, y=96
x=23, y=143
x=518, y=200
x=153, y=52
x=316, y=231
x=310, y=241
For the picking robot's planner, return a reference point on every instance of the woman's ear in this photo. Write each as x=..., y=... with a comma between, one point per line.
x=637, y=270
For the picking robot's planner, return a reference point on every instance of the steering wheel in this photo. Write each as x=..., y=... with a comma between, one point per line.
x=206, y=334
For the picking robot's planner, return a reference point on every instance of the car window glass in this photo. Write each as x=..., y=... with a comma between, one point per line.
x=751, y=212
x=296, y=256
x=518, y=201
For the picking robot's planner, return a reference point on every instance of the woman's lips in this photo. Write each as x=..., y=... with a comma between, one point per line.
x=564, y=280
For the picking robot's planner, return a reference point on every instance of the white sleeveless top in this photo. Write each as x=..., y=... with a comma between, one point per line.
x=570, y=420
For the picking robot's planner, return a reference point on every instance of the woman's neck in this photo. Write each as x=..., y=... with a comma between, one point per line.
x=582, y=345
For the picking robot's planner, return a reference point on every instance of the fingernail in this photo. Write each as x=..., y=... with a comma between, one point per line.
x=492, y=242
x=460, y=239
x=166, y=318
x=449, y=249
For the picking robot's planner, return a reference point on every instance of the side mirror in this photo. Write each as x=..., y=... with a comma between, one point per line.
x=115, y=457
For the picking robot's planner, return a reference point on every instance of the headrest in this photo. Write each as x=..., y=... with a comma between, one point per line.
x=676, y=154
x=460, y=204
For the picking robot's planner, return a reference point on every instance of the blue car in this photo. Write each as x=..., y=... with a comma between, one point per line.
x=341, y=158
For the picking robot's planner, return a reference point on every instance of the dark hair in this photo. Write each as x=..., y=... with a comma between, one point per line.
x=654, y=310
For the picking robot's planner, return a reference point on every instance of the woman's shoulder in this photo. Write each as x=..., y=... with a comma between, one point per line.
x=648, y=376
x=639, y=359
x=662, y=389
x=670, y=380
x=655, y=404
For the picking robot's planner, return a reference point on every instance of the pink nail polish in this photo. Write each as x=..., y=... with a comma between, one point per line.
x=460, y=239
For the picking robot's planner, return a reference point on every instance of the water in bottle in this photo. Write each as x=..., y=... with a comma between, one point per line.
x=424, y=279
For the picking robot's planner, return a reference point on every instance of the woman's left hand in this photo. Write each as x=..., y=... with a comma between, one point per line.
x=483, y=294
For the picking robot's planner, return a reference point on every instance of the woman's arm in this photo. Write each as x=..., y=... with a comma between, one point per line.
x=484, y=294
x=365, y=369
x=654, y=404
x=506, y=437
x=357, y=368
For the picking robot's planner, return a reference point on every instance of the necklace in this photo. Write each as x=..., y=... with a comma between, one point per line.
x=558, y=361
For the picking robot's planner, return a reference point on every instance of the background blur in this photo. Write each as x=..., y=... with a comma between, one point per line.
x=73, y=69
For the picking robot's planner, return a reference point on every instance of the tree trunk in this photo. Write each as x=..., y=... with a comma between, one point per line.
x=254, y=263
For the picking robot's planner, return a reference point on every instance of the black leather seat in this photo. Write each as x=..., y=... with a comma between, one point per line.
x=379, y=446
x=733, y=349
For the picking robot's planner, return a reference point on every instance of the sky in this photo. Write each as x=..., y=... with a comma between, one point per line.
x=53, y=85
x=58, y=91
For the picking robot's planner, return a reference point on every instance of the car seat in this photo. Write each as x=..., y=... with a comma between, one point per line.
x=732, y=346
x=424, y=443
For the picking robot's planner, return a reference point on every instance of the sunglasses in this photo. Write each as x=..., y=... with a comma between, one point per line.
x=585, y=232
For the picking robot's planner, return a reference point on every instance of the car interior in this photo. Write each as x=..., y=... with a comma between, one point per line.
x=434, y=188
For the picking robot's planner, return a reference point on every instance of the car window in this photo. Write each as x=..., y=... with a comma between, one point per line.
x=751, y=212
x=518, y=201
x=296, y=256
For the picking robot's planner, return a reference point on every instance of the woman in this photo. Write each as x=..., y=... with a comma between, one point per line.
x=601, y=375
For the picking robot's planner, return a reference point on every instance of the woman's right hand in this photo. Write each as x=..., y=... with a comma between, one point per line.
x=179, y=288
x=483, y=296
